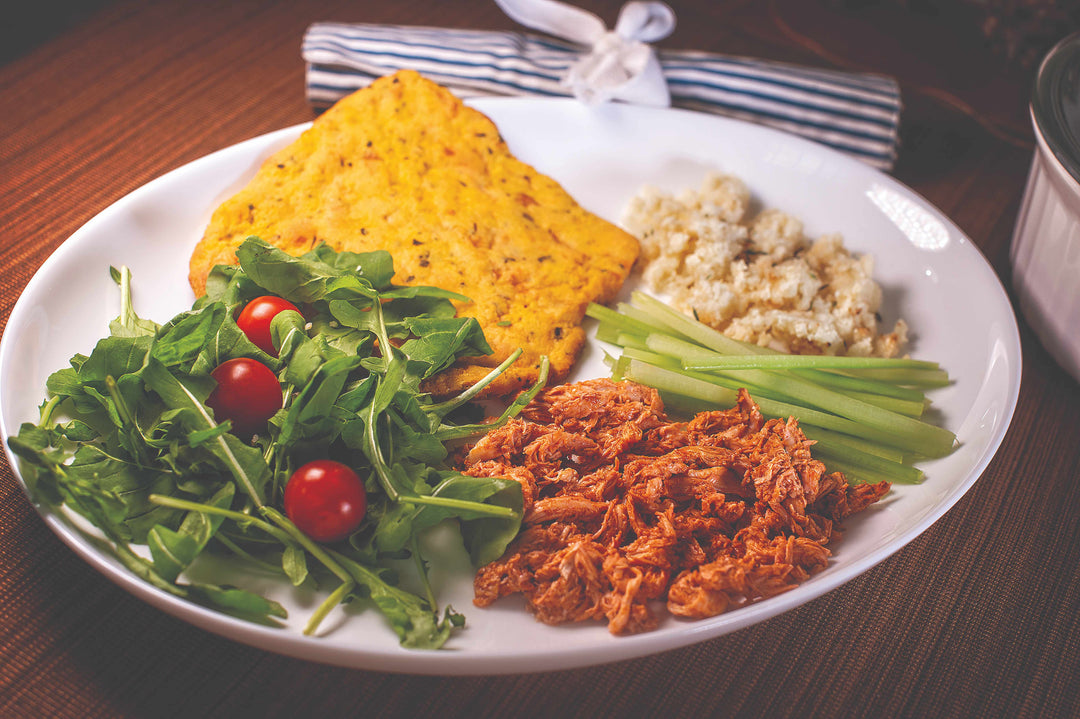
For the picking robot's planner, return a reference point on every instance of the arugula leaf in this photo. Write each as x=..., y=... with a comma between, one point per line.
x=184, y=338
x=486, y=537
x=128, y=324
x=376, y=267
x=294, y=562
x=299, y=280
x=311, y=413
x=64, y=382
x=239, y=603
x=438, y=343
x=113, y=357
x=245, y=463
x=412, y=619
x=126, y=482
x=174, y=551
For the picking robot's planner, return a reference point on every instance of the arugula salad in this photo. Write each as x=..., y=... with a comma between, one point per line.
x=156, y=438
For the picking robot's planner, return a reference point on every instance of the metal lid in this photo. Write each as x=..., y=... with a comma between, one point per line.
x=1055, y=102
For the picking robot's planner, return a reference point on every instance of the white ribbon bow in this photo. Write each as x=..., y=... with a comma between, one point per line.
x=621, y=65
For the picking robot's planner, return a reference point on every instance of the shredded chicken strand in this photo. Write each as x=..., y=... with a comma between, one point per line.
x=626, y=511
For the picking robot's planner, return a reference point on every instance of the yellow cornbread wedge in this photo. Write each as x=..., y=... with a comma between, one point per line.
x=404, y=166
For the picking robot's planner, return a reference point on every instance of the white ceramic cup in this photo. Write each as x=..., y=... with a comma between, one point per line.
x=1045, y=251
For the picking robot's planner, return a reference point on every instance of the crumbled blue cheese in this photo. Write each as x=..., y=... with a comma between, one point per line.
x=757, y=277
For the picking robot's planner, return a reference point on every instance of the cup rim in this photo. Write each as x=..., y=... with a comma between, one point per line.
x=1055, y=102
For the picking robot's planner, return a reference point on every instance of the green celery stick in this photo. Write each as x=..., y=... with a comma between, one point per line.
x=786, y=361
x=630, y=341
x=667, y=380
x=862, y=462
x=839, y=439
x=609, y=316
x=689, y=327
x=893, y=404
x=848, y=383
x=924, y=378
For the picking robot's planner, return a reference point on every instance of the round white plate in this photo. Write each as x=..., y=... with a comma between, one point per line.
x=932, y=275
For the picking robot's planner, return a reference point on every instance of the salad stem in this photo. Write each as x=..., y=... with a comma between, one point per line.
x=441, y=409
x=245, y=555
x=519, y=403
x=316, y=551
x=48, y=409
x=418, y=559
x=335, y=598
x=239, y=517
x=127, y=419
x=490, y=510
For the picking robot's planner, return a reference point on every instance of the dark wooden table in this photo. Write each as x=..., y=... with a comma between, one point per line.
x=976, y=617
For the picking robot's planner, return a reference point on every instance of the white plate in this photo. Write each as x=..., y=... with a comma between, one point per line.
x=933, y=276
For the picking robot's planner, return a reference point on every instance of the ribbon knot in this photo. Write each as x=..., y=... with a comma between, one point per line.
x=620, y=64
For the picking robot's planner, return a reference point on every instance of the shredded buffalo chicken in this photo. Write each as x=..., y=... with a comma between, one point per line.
x=625, y=509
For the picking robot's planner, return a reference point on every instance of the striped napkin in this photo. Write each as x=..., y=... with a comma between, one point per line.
x=856, y=113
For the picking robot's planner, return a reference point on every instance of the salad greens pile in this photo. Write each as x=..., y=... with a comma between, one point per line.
x=127, y=440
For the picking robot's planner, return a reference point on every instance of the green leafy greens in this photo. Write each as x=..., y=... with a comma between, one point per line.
x=127, y=441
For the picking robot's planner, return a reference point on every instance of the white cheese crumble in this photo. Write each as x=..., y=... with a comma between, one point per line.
x=757, y=277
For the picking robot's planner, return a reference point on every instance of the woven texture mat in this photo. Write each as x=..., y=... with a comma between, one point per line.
x=976, y=617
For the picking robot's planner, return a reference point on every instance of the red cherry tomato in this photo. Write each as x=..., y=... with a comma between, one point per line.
x=326, y=500
x=247, y=392
x=254, y=320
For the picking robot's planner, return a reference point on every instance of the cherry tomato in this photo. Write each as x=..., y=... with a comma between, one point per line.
x=247, y=392
x=326, y=500
x=254, y=320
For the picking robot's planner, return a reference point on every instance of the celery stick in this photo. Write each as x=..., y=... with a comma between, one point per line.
x=667, y=380
x=900, y=406
x=609, y=316
x=730, y=380
x=856, y=458
x=673, y=379
x=618, y=367
x=685, y=325
x=712, y=339
x=838, y=439
x=845, y=383
x=606, y=332
x=626, y=340
x=911, y=404
x=855, y=474
x=911, y=408
x=924, y=378
x=864, y=461
x=680, y=349
x=786, y=361
x=681, y=405
x=638, y=315
x=689, y=406
x=852, y=396
x=653, y=358
x=908, y=432
x=688, y=326
x=854, y=470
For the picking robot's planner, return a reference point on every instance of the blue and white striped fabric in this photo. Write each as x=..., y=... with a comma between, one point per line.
x=853, y=112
